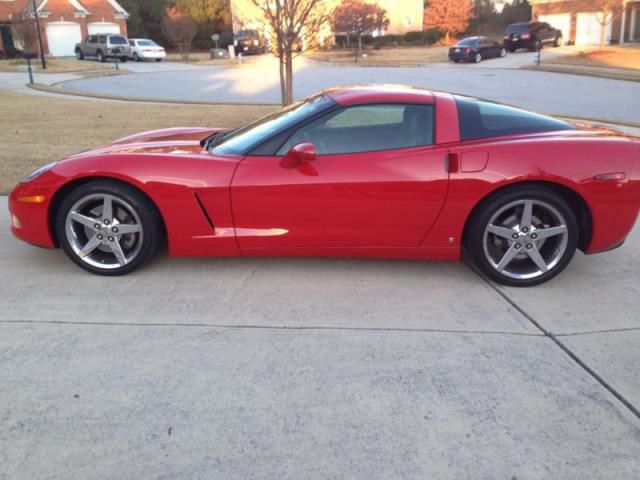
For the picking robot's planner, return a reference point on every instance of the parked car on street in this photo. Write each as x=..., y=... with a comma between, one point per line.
x=531, y=35
x=249, y=42
x=103, y=46
x=363, y=171
x=146, y=49
x=476, y=49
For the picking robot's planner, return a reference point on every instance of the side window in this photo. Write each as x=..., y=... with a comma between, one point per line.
x=367, y=128
x=102, y=39
x=479, y=119
x=91, y=39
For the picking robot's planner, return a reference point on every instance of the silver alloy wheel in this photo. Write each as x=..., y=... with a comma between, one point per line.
x=503, y=52
x=525, y=239
x=104, y=231
x=478, y=58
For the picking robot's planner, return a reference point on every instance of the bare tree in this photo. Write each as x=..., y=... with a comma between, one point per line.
x=296, y=26
x=357, y=17
x=181, y=30
x=449, y=16
x=607, y=11
x=24, y=32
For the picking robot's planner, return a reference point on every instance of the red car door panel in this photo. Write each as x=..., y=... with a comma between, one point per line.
x=370, y=199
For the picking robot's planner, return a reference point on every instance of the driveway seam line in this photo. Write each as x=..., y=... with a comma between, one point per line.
x=271, y=327
x=592, y=332
x=561, y=345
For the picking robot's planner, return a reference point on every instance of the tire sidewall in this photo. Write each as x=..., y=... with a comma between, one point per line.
x=480, y=218
x=149, y=219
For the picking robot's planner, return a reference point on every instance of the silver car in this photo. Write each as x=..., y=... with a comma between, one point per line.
x=103, y=46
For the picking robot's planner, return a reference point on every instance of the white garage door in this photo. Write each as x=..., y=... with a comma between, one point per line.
x=62, y=38
x=103, y=27
x=588, y=29
x=561, y=21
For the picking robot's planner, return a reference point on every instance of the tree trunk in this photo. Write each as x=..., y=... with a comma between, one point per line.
x=289, y=75
x=283, y=80
x=446, y=38
x=603, y=31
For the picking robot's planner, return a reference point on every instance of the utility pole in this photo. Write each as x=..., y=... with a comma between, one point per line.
x=35, y=13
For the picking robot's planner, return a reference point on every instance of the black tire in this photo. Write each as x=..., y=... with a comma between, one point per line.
x=474, y=241
x=100, y=56
x=158, y=60
x=136, y=57
x=558, y=41
x=124, y=59
x=511, y=50
x=150, y=221
x=79, y=54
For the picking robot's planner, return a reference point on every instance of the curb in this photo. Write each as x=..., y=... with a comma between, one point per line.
x=79, y=93
x=586, y=72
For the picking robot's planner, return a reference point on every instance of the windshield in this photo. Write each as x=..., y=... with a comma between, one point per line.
x=467, y=42
x=243, y=140
x=247, y=34
x=117, y=40
x=518, y=28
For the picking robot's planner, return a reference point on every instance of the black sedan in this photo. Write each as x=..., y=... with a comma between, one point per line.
x=476, y=49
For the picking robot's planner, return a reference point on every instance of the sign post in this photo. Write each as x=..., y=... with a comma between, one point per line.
x=215, y=37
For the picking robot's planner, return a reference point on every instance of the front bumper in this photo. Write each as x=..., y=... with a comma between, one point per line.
x=29, y=218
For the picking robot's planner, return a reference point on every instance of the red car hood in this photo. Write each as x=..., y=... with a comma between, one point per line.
x=169, y=141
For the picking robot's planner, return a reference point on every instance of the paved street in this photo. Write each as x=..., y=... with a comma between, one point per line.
x=302, y=368
x=562, y=94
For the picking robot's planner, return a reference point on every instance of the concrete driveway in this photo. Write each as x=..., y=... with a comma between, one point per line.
x=299, y=368
x=259, y=83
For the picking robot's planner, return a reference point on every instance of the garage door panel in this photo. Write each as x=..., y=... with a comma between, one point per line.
x=96, y=28
x=588, y=28
x=561, y=21
x=62, y=38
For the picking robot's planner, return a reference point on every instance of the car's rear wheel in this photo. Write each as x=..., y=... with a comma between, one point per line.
x=503, y=52
x=477, y=58
x=108, y=228
x=558, y=41
x=136, y=57
x=100, y=56
x=522, y=236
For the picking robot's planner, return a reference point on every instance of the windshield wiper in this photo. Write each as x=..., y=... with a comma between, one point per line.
x=215, y=139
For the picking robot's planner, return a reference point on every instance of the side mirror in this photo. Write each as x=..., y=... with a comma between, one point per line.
x=298, y=155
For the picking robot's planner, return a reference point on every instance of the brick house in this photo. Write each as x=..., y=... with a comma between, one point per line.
x=63, y=23
x=579, y=20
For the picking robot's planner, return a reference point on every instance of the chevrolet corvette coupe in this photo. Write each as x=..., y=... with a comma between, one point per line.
x=365, y=171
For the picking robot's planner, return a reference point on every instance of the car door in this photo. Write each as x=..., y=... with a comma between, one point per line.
x=377, y=181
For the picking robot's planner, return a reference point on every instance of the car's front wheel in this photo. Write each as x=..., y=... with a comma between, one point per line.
x=503, y=52
x=558, y=41
x=100, y=56
x=108, y=228
x=79, y=54
x=136, y=57
x=523, y=236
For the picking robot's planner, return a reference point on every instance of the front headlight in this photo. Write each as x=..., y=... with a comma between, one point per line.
x=37, y=172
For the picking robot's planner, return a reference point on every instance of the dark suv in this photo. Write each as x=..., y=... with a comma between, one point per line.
x=531, y=35
x=249, y=42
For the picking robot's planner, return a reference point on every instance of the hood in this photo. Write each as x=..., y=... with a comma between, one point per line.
x=176, y=141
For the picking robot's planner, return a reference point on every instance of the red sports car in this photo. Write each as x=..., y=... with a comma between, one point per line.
x=366, y=171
